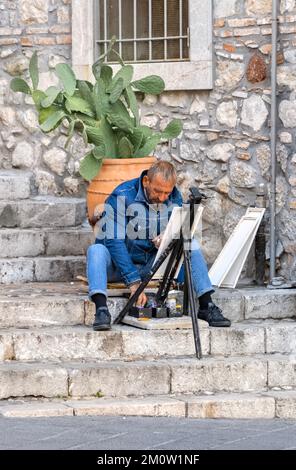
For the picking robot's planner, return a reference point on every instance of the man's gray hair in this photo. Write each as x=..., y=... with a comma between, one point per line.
x=165, y=169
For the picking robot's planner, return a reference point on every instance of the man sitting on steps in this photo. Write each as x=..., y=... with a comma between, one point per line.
x=128, y=235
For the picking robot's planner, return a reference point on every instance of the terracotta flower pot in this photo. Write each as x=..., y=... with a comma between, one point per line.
x=112, y=173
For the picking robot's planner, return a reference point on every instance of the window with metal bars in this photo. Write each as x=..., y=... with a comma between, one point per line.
x=146, y=30
x=171, y=38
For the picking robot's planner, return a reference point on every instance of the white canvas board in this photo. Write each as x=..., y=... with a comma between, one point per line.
x=172, y=231
x=229, y=263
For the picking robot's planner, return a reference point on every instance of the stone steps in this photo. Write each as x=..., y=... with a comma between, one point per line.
x=130, y=344
x=45, y=242
x=59, y=303
x=42, y=211
x=144, y=378
x=221, y=405
x=41, y=269
x=15, y=184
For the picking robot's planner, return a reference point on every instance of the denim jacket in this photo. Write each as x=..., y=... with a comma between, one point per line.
x=129, y=223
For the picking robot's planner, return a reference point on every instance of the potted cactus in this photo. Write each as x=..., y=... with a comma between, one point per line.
x=106, y=114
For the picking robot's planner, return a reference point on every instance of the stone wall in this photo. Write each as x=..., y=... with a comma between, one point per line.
x=225, y=146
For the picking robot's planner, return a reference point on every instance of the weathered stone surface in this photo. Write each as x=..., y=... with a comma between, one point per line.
x=282, y=156
x=20, y=270
x=227, y=113
x=14, y=184
x=281, y=193
x=285, y=137
x=242, y=341
x=56, y=160
x=287, y=113
x=34, y=11
x=231, y=407
x=119, y=379
x=285, y=404
x=281, y=371
x=220, y=152
x=71, y=185
x=16, y=65
x=287, y=6
x=35, y=410
x=23, y=155
x=258, y=8
x=242, y=175
x=290, y=56
x=28, y=119
x=42, y=212
x=162, y=343
x=199, y=104
x=217, y=375
x=286, y=76
x=20, y=380
x=16, y=243
x=146, y=406
x=276, y=305
x=6, y=347
x=256, y=69
x=43, y=311
x=150, y=100
x=179, y=99
x=223, y=185
x=254, y=112
x=45, y=183
x=54, y=269
x=68, y=242
x=263, y=156
x=229, y=74
x=225, y=8
x=281, y=338
x=7, y=116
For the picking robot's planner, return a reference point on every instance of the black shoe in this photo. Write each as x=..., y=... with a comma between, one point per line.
x=213, y=315
x=102, y=319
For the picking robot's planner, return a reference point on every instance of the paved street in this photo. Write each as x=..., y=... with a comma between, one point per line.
x=136, y=433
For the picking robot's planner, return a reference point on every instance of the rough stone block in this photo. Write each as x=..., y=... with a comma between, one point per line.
x=215, y=374
x=6, y=346
x=25, y=312
x=281, y=371
x=237, y=340
x=14, y=184
x=35, y=410
x=285, y=404
x=162, y=343
x=68, y=242
x=281, y=338
x=240, y=406
x=266, y=303
x=42, y=211
x=17, y=243
x=60, y=268
x=147, y=406
x=67, y=344
x=21, y=380
x=16, y=270
x=119, y=379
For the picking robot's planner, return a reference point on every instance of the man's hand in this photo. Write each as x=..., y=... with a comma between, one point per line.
x=157, y=240
x=142, y=299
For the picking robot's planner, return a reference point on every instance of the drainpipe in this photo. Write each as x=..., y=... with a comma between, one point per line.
x=273, y=136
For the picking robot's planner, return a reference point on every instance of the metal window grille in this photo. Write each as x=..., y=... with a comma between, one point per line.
x=146, y=30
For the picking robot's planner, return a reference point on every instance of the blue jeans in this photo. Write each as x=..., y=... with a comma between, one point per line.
x=100, y=268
